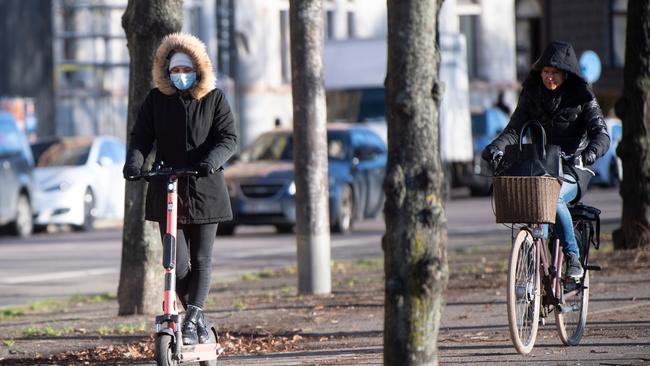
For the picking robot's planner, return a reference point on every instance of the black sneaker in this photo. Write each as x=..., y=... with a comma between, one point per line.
x=574, y=268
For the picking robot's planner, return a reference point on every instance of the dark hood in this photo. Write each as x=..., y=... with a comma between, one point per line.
x=561, y=56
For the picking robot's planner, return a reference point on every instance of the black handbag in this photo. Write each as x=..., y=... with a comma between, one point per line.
x=525, y=160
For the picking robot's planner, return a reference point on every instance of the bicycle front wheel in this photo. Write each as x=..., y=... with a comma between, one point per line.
x=523, y=292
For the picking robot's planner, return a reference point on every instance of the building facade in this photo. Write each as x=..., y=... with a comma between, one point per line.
x=597, y=25
x=263, y=76
x=91, y=62
x=71, y=55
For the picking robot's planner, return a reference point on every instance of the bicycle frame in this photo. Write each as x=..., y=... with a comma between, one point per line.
x=550, y=267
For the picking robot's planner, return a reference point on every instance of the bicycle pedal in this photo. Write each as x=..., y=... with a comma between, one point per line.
x=574, y=281
x=565, y=308
x=593, y=267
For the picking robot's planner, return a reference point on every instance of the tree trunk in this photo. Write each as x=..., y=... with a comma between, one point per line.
x=310, y=147
x=415, y=242
x=634, y=149
x=145, y=22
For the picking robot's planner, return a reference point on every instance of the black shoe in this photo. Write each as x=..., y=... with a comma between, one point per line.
x=203, y=329
x=574, y=268
x=189, y=328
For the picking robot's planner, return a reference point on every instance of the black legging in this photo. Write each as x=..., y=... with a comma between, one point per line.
x=193, y=272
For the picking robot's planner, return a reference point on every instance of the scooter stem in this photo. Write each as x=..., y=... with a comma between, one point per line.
x=169, y=249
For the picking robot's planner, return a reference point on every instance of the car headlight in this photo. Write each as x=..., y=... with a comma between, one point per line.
x=61, y=186
x=292, y=188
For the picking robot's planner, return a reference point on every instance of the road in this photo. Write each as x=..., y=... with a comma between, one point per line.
x=59, y=265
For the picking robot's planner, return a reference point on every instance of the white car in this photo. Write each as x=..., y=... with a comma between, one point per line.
x=78, y=180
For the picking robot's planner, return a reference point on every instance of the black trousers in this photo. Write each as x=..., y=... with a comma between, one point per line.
x=194, y=244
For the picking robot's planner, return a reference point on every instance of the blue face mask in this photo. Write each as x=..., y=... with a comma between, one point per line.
x=183, y=81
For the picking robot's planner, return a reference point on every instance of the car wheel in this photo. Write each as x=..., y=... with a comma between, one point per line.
x=480, y=190
x=224, y=229
x=284, y=229
x=24, y=224
x=89, y=212
x=345, y=217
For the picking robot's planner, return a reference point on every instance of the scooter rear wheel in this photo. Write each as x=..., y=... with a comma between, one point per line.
x=164, y=350
x=213, y=339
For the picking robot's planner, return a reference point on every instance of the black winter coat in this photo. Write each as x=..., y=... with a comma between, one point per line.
x=570, y=115
x=187, y=129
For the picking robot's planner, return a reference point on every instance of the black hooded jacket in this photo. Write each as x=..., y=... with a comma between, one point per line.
x=570, y=115
x=197, y=128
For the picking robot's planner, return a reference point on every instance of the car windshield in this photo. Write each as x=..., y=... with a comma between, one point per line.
x=279, y=147
x=61, y=152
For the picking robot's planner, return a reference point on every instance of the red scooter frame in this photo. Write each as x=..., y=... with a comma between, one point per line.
x=169, y=349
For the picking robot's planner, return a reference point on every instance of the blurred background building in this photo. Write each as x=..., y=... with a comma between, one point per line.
x=70, y=56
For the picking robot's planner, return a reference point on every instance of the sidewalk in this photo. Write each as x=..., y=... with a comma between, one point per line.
x=263, y=322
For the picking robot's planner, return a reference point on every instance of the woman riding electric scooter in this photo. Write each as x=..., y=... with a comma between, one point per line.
x=190, y=122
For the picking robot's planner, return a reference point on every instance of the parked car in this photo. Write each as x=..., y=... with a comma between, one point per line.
x=79, y=180
x=609, y=169
x=261, y=182
x=486, y=126
x=16, y=180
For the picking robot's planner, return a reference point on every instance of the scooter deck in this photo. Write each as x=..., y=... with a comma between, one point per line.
x=201, y=352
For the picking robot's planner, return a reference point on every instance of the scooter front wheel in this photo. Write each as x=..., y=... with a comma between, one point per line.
x=164, y=350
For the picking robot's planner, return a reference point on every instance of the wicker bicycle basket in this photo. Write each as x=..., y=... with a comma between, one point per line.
x=525, y=199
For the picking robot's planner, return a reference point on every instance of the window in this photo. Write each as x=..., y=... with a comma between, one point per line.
x=619, y=23
x=69, y=152
x=112, y=151
x=528, y=33
x=375, y=141
x=367, y=145
x=329, y=25
x=279, y=146
x=192, y=21
x=285, y=47
x=468, y=26
x=352, y=30
x=225, y=31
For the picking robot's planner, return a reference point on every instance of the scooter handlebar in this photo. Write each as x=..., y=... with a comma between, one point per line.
x=165, y=172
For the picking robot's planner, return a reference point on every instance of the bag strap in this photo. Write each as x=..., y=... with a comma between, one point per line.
x=527, y=126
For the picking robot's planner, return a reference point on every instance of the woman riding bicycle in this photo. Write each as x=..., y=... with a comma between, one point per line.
x=555, y=94
x=190, y=122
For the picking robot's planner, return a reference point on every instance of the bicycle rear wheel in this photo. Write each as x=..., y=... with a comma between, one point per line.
x=523, y=292
x=571, y=317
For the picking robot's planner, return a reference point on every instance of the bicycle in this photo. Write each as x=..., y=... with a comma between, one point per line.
x=537, y=285
x=169, y=348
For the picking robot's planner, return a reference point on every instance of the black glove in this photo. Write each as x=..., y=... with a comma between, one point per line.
x=589, y=156
x=204, y=169
x=492, y=155
x=130, y=172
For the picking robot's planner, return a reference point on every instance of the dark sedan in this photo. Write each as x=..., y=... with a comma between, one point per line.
x=262, y=189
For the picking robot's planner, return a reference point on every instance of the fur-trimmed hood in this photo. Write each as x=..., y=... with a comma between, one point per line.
x=193, y=47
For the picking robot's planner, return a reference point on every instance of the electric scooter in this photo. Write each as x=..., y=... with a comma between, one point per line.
x=169, y=348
